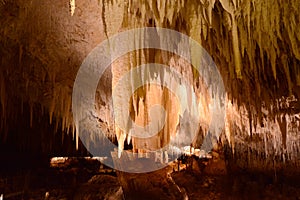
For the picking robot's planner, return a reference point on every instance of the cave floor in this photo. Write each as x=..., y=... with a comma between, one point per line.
x=93, y=181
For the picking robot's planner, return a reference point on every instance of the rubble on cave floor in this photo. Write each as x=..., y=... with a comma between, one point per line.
x=196, y=178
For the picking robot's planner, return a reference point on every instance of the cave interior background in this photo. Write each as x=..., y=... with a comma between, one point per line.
x=255, y=45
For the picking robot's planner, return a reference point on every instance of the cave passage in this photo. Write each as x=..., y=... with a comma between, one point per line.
x=160, y=99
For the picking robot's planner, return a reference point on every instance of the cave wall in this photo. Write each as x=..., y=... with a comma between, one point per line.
x=254, y=44
x=42, y=47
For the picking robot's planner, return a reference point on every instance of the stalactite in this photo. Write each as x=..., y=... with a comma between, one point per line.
x=51, y=109
x=2, y=95
x=111, y=24
x=236, y=51
x=72, y=7
x=104, y=18
x=31, y=113
x=284, y=61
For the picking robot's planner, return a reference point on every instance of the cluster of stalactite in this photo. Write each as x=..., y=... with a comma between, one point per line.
x=254, y=43
x=38, y=65
x=151, y=94
x=256, y=48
